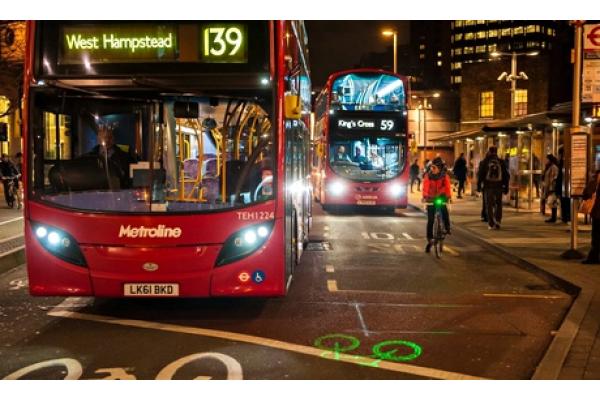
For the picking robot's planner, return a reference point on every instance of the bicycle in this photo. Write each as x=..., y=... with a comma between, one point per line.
x=439, y=230
x=13, y=191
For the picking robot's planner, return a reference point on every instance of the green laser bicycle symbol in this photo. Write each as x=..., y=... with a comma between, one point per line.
x=337, y=344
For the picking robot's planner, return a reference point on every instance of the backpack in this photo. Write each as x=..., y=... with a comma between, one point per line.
x=494, y=172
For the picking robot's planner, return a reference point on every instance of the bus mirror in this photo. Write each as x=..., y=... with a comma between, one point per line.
x=292, y=106
x=186, y=109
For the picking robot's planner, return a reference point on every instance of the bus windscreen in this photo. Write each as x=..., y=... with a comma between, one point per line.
x=368, y=92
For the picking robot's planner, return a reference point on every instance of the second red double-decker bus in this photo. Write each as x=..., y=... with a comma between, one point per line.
x=361, y=133
x=165, y=158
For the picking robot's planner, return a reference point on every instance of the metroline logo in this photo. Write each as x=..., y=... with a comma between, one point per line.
x=161, y=231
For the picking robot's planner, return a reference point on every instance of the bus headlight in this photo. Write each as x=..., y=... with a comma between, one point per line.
x=337, y=188
x=244, y=242
x=397, y=190
x=59, y=243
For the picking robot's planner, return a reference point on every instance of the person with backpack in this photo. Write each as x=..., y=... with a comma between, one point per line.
x=493, y=178
x=436, y=183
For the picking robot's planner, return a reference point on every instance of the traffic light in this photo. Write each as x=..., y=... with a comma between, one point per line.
x=3, y=132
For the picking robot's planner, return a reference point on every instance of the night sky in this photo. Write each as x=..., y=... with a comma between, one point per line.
x=338, y=45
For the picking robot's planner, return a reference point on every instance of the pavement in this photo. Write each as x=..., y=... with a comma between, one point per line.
x=575, y=350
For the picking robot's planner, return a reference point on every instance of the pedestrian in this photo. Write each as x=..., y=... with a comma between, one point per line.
x=591, y=192
x=493, y=177
x=565, y=202
x=460, y=173
x=480, y=189
x=414, y=172
x=549, y=186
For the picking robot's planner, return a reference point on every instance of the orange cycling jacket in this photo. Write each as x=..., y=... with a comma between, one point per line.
x=436, y=187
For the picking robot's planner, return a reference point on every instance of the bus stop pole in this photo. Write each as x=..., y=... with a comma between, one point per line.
x=573, y=253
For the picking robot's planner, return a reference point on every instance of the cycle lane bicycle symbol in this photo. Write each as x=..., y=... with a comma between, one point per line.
x=337, y=345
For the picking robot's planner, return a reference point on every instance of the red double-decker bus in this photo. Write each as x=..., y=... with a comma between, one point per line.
x=165, y=158
x=361, y=140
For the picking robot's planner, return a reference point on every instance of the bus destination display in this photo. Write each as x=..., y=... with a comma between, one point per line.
x=112, y=43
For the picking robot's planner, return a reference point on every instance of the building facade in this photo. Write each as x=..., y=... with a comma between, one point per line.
x=12, y=52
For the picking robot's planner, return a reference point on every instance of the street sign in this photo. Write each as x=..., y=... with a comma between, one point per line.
x=591, y=37
x=579, y=158
x=590, y=85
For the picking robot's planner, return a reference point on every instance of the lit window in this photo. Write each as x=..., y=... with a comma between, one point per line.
x=506, y=32
x=520, y=102
x=4, y=106
x=421, y=56
x=469, y=35
x=481, y=35
x=518, y=30
x=439, y=63
x=492, y=47
x=439, y=53
x=480, y=21
x=458, y=36
x=459, y=79
x=421, y=47
x=480, y=49
x=486, y=105
x=470, y=22
x=532, y=28
x=493, y=33
x=57, y=142
x=458, y=52
x=468, y=50
x=459, y=23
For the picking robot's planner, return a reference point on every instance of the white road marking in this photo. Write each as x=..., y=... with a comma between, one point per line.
x=526, y=296
x=406, y=235
x=361, y=319
x=10, y=220
x=10, y=238
x=329, y=268
x=272, y=343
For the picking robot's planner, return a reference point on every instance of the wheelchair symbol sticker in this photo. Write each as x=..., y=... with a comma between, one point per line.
x=258, y=276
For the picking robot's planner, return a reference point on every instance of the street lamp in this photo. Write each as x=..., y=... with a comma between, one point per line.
x=513, y=76
x=394, y=33
x=424, y=105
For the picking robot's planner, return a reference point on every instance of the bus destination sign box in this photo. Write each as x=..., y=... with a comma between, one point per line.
x=346, y=124
x=110, y=43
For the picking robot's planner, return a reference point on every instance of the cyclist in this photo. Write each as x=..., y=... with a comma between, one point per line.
x=8, y=172
x=436, y=183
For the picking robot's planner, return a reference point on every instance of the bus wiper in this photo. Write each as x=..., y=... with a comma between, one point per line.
x=62, y=85
x=148, y=83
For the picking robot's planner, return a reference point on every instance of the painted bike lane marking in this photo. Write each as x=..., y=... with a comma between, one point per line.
x=59, y=312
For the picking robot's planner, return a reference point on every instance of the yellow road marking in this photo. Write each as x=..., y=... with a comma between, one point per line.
x=332, y=285
x=329, y=268
x=272, y=343
x=451, y=250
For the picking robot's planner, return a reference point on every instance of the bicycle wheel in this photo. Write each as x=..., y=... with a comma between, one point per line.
x=438, y=235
